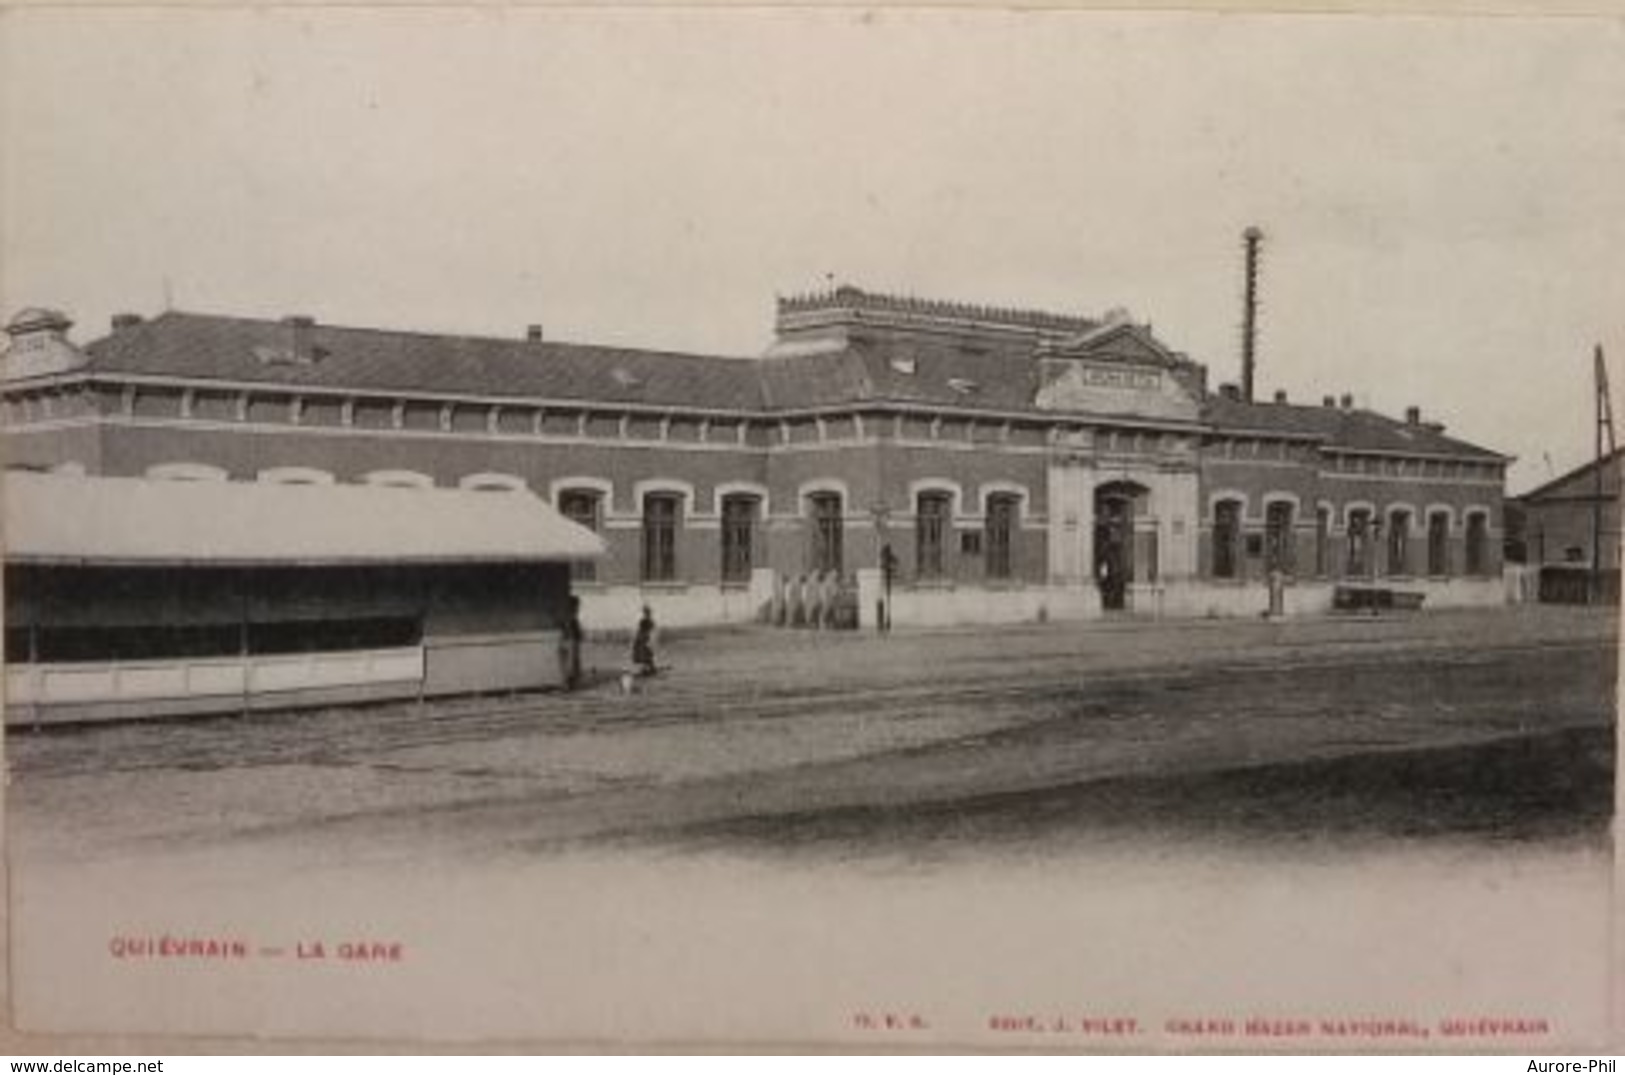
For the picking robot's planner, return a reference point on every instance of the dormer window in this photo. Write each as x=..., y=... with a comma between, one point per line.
x=963, y=385
x=287, y=356
x=904, y=364
x=297, y=345
x=625, y=377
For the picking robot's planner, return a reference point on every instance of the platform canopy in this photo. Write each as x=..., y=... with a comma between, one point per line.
x=58, y=518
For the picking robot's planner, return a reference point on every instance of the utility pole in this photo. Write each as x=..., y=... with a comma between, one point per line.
x=1604, y=431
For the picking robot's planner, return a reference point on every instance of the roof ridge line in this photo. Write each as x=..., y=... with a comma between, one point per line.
x=427, y=334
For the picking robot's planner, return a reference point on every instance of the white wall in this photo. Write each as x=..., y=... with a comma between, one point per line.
x=1226, y=600
x=617, y=608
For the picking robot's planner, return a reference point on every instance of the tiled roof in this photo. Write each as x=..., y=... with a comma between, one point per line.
x=1580, y=482
x=815, y=380
x=949, y=375
x=240, y=349
x=867, y=369
x=1336, y=427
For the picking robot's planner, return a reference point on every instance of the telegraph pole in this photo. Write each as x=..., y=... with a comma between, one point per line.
x=1604, y=431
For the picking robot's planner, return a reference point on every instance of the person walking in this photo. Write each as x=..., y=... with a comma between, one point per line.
x=643, y=645
x=570, y=644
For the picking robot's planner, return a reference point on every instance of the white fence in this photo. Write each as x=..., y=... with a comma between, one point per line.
x=206, y=677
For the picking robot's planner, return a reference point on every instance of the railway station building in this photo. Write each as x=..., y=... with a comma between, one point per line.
x=940, y=462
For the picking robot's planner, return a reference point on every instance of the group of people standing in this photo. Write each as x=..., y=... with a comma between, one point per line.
x=572, y=638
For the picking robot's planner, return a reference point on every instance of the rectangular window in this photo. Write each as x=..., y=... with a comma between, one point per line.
x=18, y=645
x=1399, y=543
x=1001, y=519
x=825, y=550
x=1477, y=544
x=931, y=520
x=1358, y=537
x=739, y=514
x=1439, y=544
x=307, y=636
x=1226, y=539
x=582, y=507
x=160, y=642
x=1323, y=541
x=1278, y=538
x=659, y=537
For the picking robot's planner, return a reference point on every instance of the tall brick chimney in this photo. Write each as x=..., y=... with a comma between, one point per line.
x=1251, y=239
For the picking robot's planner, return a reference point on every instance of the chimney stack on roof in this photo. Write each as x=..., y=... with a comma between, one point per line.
x=301, y=329
x=1280, y=395
x=1328, y=401
x=124, y=321
x=533, y=333
x=1229, y=390
x=1348, y=401
x=1413, y=416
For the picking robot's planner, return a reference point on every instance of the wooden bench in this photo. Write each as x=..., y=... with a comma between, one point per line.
x=1374, y=599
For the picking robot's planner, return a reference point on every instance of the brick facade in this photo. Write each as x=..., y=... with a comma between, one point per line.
x=1011, y=463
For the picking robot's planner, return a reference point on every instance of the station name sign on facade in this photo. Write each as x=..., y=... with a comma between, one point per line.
x=1110, y=387
x=1135, y=380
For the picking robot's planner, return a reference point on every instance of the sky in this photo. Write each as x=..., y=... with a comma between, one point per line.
x=1443, y=200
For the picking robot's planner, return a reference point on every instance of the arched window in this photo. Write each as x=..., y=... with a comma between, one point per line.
x=1478, y=529
x=584, y=507
x=740, y=512
x=1359, y=538
x=660, y=511
x=931, y=514
x=1278, y=539
x=824, y=550
x=488, y=482
x=1399, y=542
x=1227, y=539
x=1439, y=544
x=1002, y=509
x=295, y=476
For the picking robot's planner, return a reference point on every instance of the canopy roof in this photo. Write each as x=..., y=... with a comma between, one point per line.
x=69, y=518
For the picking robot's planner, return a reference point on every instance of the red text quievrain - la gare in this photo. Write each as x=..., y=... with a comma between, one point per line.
x=199, y=948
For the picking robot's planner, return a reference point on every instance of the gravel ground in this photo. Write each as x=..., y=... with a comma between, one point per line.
x=761, y=732
x=793, y=836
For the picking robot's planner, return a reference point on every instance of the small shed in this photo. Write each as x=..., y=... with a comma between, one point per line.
x=134, y=597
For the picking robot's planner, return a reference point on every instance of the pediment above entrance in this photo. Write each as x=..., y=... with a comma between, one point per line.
x=1113, y=386
x=1121, y=341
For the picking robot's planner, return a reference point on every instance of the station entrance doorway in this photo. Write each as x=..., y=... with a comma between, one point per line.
x=1116, y=505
